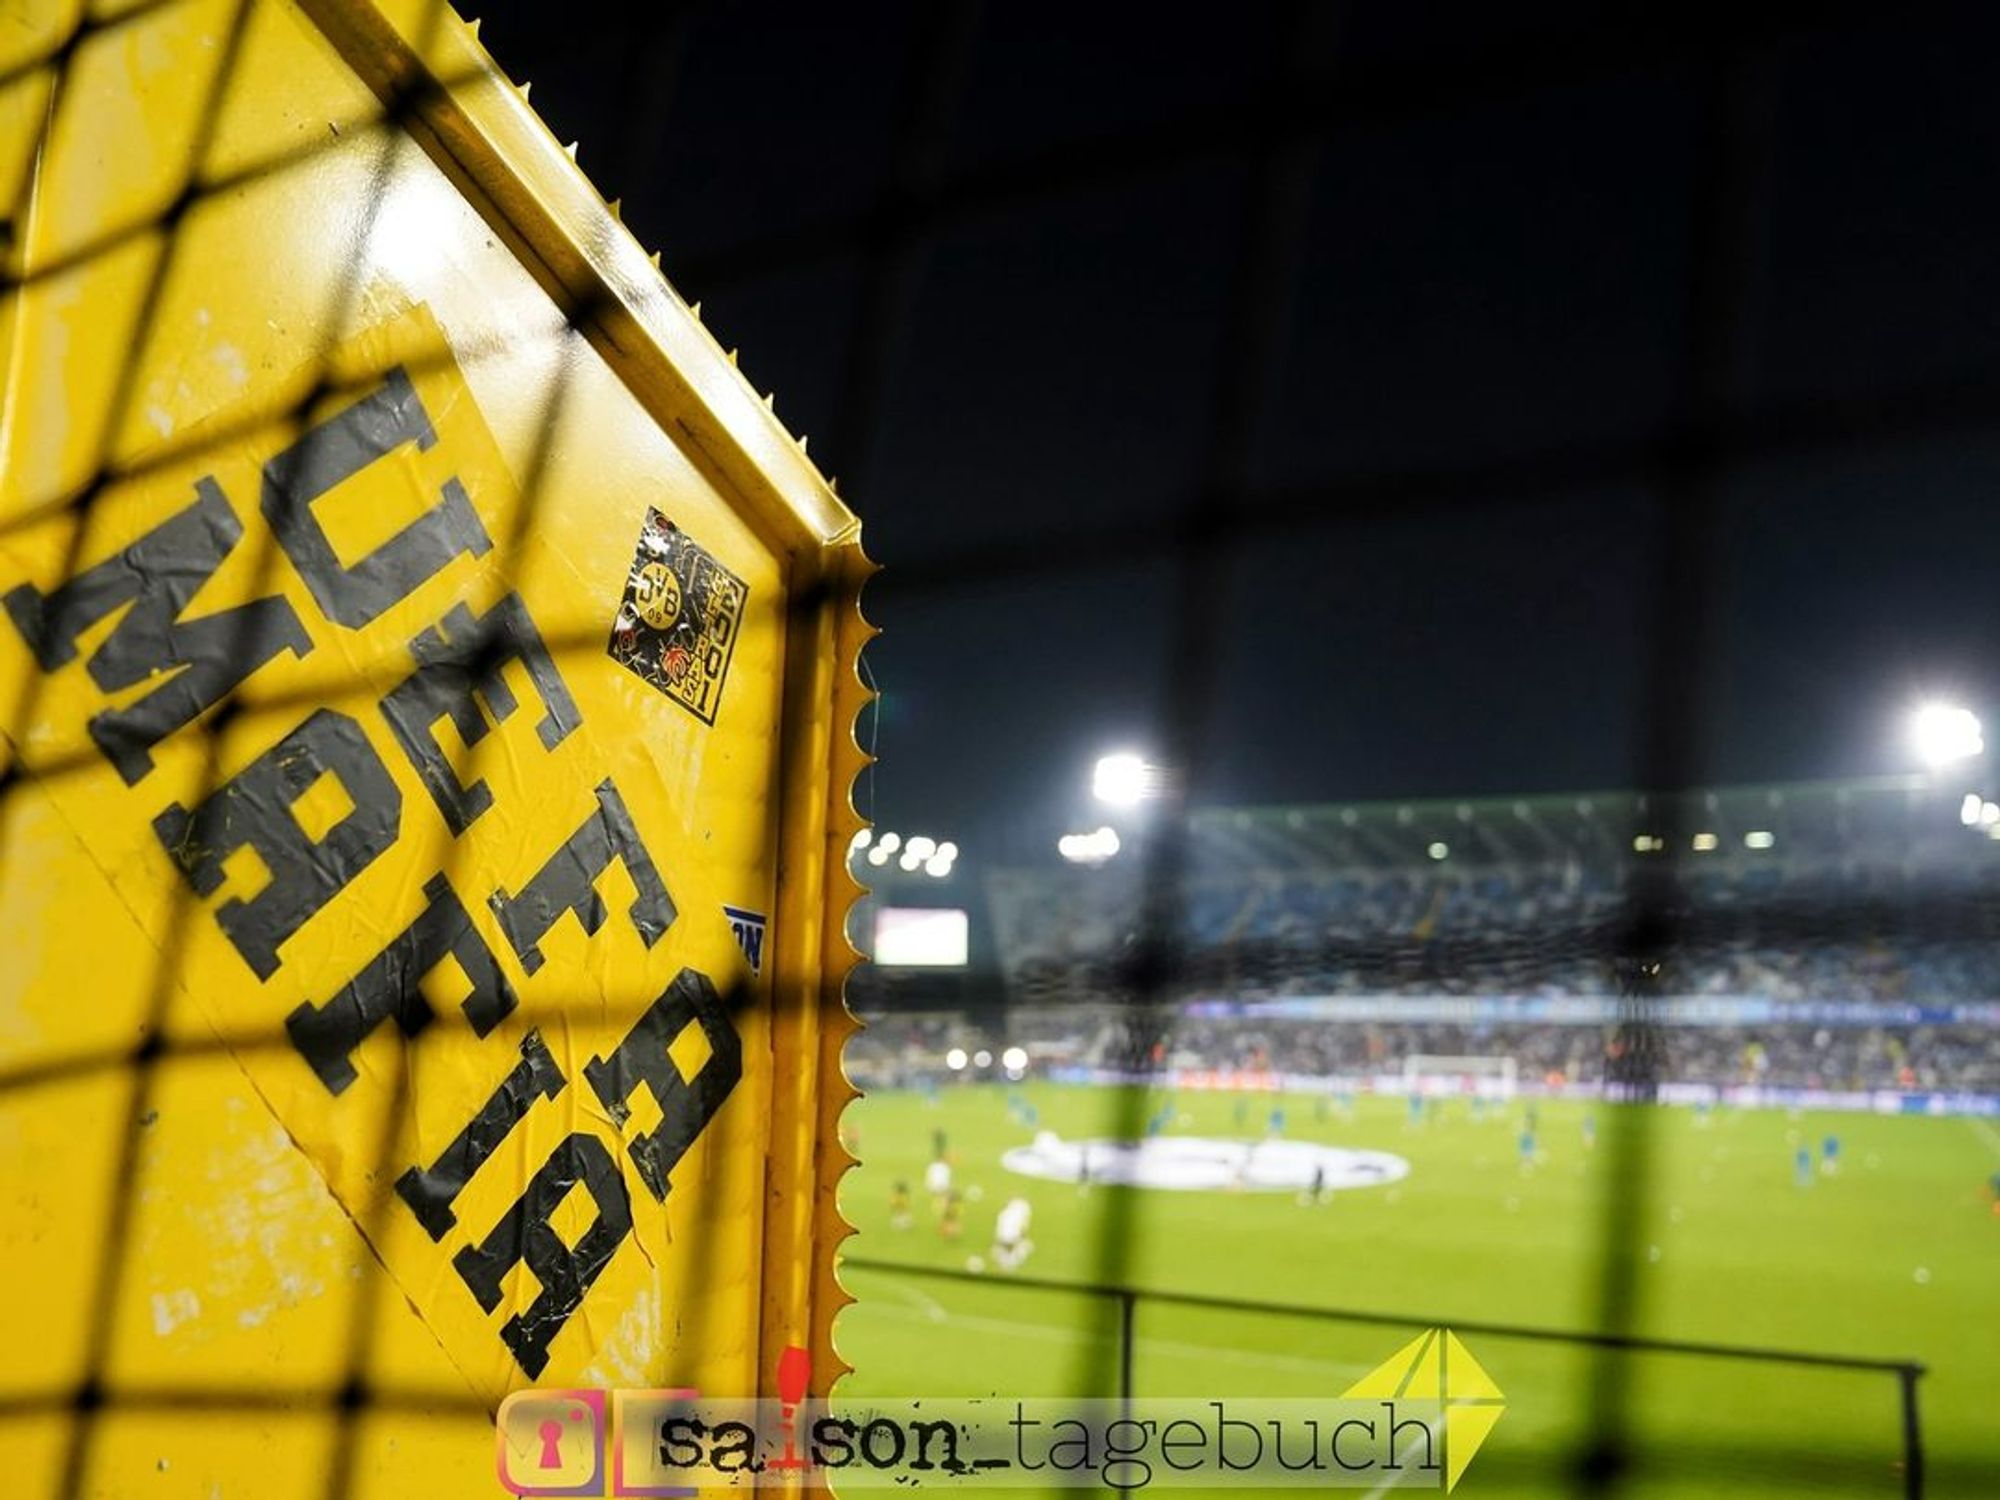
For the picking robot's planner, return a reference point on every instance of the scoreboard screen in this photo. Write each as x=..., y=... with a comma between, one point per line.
x=927, y=937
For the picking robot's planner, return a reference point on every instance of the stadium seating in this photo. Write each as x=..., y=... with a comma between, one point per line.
x=1853, y=949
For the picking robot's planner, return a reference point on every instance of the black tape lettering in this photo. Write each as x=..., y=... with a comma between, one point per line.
x=568, y=883
x=335, y=451
x=391, y=985
x=525, y=1234
x=431, y=1191
x=459, y=659
x=255, y=810
x=158, y=576
x=686, y=1104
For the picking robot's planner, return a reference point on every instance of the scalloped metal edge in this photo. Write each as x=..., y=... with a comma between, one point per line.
x=851, y=698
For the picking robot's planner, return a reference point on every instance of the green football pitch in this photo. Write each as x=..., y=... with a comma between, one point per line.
x=1897, y=1256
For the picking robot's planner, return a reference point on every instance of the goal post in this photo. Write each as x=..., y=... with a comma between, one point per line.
x=1489, y=1077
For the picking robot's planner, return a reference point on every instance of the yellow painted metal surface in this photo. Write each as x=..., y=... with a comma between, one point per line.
x=428, y=685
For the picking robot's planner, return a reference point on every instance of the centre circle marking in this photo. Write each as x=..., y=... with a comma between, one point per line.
x=1183, y=1163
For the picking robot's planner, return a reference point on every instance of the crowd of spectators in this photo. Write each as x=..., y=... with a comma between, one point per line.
x=1861, y=962
x=1927, y=936
x=911, y=1050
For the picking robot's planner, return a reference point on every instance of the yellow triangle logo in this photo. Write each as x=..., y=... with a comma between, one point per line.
x=1436, y=1366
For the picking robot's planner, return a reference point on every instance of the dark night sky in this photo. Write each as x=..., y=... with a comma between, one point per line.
x=1481, y=345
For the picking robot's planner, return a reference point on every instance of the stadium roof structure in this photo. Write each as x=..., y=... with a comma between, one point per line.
x=1877, y=820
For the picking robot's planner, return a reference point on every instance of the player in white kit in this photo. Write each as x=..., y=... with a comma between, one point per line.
x=1011, y=1244
x=937, y=1182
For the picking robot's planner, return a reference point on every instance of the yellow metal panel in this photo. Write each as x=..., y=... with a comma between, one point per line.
x=431, y=682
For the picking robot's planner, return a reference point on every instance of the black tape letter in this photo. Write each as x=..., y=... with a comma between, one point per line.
x=525, y=1234
x=431, y=1191
x=686, y=1105
x=255, y=810
x=568, y=883
x=337, y=450
x=457, y=659
x=326, y=1035
x=158, y=576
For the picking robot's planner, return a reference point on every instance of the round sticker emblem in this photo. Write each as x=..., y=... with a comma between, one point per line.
x=656, y=594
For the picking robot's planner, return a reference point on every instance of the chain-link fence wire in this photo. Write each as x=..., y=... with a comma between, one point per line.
x=1273, y=135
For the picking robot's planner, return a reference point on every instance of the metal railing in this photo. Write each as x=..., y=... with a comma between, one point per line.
x=1126, y=1299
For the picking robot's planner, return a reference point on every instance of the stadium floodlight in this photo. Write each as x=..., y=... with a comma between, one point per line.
x=1440, y=850
x=956, y=1059
x=1088, y=848
x=982, y=1058
x=1124, y=779
x=859, y=842
x=1968, y=810
x=1759, y=838
x=1941, y=733
x=1015, y=1059
x=937, y=867
x=947, y=851
x=910, y=860
x=921, y=846
x=1705, y=842
x=879, y=855
x=889, y=843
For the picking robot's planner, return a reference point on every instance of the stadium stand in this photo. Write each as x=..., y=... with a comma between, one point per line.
x=1832, y=938
x=1857, y=891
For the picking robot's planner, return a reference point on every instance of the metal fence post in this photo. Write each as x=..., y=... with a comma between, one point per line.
x=1128, y=1304
x=1913, y=1437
